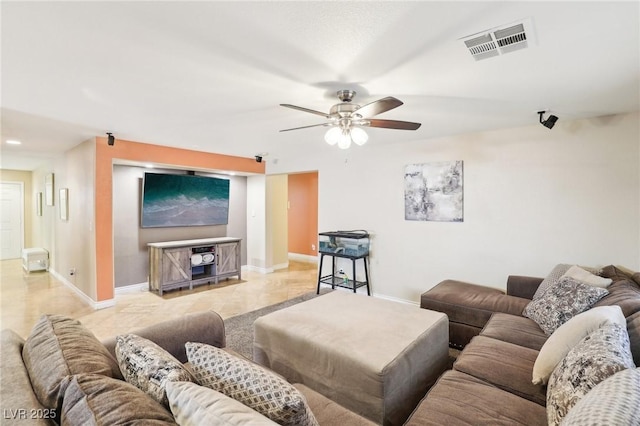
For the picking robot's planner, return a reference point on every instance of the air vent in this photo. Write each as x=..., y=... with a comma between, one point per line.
x=500, y=40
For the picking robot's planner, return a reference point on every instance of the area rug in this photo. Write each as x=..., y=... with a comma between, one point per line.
x=239, y=329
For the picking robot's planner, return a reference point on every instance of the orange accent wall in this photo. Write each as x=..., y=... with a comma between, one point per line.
x=303, y=213
x=142, y=152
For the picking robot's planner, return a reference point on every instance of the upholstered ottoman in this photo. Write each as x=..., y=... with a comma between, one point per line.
x=375, y=357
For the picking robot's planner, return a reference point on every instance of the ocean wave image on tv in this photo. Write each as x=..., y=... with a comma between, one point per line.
x=184, y=200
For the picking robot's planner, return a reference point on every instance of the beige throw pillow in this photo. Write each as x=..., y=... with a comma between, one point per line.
x=192, y=404
x=587, y=277
x=570, y=334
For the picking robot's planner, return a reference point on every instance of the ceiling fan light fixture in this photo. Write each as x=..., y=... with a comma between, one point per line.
x=359, y=136
x=333, y=135
x=344, y=142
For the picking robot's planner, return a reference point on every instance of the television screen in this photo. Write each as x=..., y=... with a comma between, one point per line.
x=184, y=200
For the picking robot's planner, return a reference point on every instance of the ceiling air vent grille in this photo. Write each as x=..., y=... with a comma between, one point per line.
x=498, y=41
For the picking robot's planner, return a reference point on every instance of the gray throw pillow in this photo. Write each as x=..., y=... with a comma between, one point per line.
x=147, y=366
x=251, y=384
x=598, y=356
x=562, y=301
x=614, y=401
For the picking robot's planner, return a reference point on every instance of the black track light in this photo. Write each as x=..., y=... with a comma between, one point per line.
x=111, y=140
x=549, y=122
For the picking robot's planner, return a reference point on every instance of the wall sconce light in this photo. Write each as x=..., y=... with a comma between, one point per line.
x=549, y=122
x=111, y=140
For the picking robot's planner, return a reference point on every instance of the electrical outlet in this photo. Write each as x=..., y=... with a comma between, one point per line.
x=72, y=271
x=313, y=247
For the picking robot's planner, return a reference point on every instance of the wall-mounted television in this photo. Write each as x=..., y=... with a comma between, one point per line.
x=184, y=200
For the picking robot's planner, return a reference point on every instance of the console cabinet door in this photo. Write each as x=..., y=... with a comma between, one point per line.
x=176, y=265
x=228, y=255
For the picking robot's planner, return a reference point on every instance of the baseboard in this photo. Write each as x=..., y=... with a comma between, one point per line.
x=303, y=258
x=89, y=301
x=261, y=270
x=395, y=299
x=257, y=269
x=133, y=288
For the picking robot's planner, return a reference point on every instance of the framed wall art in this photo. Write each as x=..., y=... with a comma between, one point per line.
x=39, y=204
x=48, y=189
x=434, y=192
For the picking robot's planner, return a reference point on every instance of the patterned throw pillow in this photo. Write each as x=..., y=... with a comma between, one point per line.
x=597, y=357
x=614, y=401
x=559, y=303
x=147, y=366
x=553, y=277
x=247, y=382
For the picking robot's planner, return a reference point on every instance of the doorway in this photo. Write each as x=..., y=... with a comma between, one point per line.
x=11, y=220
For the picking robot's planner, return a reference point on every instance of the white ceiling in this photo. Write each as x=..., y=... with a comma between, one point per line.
x=210, y=75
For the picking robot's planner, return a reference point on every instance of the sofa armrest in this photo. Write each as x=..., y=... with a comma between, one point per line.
x=522, y=286
x=202, y=327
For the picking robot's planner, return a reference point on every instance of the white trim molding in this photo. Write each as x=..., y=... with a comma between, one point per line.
x=303, y=258
x=89, y=301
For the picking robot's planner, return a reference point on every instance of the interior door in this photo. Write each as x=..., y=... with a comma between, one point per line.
x=11, y=220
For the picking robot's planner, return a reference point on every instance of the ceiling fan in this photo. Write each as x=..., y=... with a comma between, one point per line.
x=347, y=119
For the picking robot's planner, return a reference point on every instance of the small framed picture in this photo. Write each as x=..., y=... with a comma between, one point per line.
x=48, y=189
x=64, y=204
x=39, y=203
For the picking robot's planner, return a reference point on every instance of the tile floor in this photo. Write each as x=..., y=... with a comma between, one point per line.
x=24, y=297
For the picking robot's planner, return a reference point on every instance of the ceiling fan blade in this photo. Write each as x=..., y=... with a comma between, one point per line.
x=378, y=107
x=306, y=127
x=323, y=114
x=394, y=124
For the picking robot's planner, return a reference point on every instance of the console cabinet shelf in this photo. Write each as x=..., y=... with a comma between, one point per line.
x=187, y=263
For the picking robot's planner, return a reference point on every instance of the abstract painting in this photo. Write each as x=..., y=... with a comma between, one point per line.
x=433, y=192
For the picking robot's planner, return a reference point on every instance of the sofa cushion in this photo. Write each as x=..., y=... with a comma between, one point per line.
x=502, y=364
x=598, y=356
x=470, y=304
x=92, y=399
x=460, y=399
x=570, y=334
x=614, y=401
x=149, y=367
x=624, y=292
x=577, y=273
x=58, y=347
x=192, y=404
x=633, y=328
x=249, y=383
x=15, y=386
x=515, y=329
x=328, y=412
x=567, y=298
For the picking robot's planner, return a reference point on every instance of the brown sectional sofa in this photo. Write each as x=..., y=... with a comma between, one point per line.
x=20, y=405
x=491, y=380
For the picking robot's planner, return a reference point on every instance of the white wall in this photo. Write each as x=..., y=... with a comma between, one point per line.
x=533, y=197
